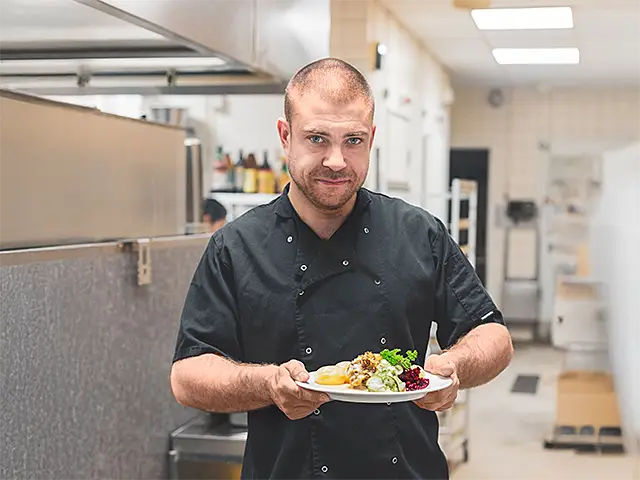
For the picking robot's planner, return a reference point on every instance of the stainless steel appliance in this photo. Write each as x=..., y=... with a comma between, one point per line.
x=194, y=199
x=194, y=179
x=73, y=175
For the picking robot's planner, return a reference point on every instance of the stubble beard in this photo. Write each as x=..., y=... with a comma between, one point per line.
x=328, y=203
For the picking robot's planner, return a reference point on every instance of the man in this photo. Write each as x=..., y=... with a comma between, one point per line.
x=322, y=274
x=215, y=215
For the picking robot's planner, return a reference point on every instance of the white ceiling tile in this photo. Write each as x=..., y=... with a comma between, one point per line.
x=607, y=32
x=531, y=39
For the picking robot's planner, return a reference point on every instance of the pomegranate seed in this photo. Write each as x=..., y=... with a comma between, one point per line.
x=418, y=384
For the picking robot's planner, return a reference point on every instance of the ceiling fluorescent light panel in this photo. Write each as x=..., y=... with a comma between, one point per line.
x=537, y=56
x=536, y=18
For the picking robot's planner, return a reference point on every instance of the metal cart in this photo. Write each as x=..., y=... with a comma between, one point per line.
x=454, y=423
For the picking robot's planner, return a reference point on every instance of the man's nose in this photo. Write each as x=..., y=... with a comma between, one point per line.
x=335, y=160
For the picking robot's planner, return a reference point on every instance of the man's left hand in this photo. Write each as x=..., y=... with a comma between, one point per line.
x=442, y=399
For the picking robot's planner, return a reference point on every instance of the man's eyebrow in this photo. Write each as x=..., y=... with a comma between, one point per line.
x=356, y=133
x=315, y=131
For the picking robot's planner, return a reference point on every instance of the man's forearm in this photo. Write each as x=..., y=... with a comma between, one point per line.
x=214, y=384
x=481, y=355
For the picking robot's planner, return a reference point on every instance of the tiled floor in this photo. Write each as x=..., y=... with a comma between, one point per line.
x=507, y=430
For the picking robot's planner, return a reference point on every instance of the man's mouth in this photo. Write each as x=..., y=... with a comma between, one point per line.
x=333, y=181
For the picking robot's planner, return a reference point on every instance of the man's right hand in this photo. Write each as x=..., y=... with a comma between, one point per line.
x=294, y=401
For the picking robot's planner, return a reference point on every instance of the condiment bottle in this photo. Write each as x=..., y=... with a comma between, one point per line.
x=220, y=173
x=239, y=174
x=266, y=178
x=250, y=174
x=284, y=175
x=231, y=173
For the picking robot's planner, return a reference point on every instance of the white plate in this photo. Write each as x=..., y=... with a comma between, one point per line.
x=343, y=393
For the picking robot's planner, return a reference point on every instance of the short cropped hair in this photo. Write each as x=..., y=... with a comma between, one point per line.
x=336, y=79
x=215, y=210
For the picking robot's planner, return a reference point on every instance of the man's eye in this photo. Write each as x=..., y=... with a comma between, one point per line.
x=355, y=141
x=315, y=139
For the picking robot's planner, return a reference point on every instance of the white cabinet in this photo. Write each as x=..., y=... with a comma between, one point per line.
x=577, y=314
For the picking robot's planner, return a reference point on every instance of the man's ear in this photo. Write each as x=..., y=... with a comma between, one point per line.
x=284, y=133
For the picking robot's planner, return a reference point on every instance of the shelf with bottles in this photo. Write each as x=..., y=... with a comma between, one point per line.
x=247, y=176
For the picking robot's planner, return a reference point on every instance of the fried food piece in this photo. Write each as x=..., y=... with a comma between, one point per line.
x=333, y=374
x=362, y=368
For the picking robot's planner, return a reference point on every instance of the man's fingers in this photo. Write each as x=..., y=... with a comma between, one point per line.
x=314, y=398
x=437, y=401
x=297, y=370
x=438, y=365
x=289, y=388
x=434, y=397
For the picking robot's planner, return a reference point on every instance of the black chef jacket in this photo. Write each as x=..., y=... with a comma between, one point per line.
x=268, y=290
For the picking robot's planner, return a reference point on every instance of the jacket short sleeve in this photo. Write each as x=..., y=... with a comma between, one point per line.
x=209, y=320
x=462, y=303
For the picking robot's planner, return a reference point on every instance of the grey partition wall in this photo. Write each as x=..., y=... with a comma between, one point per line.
x=85, y=355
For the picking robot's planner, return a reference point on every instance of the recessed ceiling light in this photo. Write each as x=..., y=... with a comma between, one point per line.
x=535, y=18
x=537, y=56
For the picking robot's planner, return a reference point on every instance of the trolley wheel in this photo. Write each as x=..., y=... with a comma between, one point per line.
x=465, y=451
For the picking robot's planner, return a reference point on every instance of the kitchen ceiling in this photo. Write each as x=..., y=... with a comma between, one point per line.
x=69, y=44
x=607, y=33
x=36, y=24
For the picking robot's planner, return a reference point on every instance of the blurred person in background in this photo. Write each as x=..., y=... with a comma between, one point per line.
x=215, y=215
x=327, y=271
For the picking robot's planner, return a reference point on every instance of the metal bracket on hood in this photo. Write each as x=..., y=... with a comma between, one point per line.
x=144, y=261
x=141, y=246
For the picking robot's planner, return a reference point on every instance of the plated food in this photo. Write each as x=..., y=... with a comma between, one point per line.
x=387, y=371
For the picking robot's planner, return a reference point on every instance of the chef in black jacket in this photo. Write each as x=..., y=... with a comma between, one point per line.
x=325, y=272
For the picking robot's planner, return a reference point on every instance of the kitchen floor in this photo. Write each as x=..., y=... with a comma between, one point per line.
x=507, y=430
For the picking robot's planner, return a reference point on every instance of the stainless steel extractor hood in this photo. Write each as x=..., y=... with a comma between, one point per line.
x=164, y=46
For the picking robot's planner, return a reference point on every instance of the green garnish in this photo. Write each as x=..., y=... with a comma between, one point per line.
x=394, y=357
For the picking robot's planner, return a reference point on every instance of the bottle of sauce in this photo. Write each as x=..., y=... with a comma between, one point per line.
x=266, y=178
x=238, y=177
x=250, y=174
x=283, y=178
x=220, y=180
x=231, y=173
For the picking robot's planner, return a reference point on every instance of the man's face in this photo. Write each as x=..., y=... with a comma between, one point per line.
x=328, y=147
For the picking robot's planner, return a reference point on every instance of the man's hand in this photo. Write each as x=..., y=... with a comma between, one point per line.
x=442, y=399
x=294, y=401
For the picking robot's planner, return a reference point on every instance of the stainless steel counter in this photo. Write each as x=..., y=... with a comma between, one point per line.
x=210, y=440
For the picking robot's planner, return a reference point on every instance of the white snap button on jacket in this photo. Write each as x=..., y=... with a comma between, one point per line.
x=377, y=282
x=301, y=293
x=316, y=412
x=366, y=230
x=383, y=340
x=324, y=469
x=308, y=350
x=345, y=262
x=389, y=404
x=394, y=460
x=303, y=267
x=289, y=239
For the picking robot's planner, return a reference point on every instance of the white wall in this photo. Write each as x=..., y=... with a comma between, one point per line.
x=569, y=120
x=408, y=72
x=616, y=263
